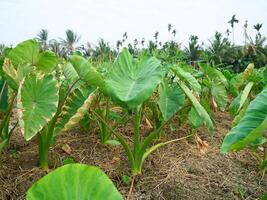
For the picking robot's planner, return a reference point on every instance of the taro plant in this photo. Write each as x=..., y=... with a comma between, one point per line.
x=247, y=85
x=47, y=101
x=192, y=109
x=130, y=83
x=6, y=106
x=250, y=130
x=214, y=90
x=74, y=182
x=8, y=94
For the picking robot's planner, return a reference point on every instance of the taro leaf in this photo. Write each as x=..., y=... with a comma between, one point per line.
x=194, y=118
x=86, y=71
x=214, y=74
x=233, y=108
x=204, y=101
x=219, y=94
x=243, y=134
x=46, y=61
x=74, y=182
x=37, y=103
x=170, y=99
x=198, y=107
x=188, y=78
x=240, y=115
x=239, y=102
x=131, y=82
x=27, y=52
x=70, y=73
x=242, y=78
x=75, y=107
x=244, y=95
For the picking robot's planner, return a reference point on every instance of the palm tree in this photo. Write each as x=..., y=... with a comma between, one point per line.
x=42, y=38
x=245, y=31
x=86, y=50
x=193, y=51
x=156, y=35
x=57, y=48
x=118, y=45
x=143, y=42
x=169, y=29
x=258, y=27
x=103, y=51
x=232, y=23
x=124, y=37
x=71, y=39
x=227, y=32
x=135, y=43
x=174, y=33
x=220, y=50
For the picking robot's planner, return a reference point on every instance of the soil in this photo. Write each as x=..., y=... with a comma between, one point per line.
x=183, y=170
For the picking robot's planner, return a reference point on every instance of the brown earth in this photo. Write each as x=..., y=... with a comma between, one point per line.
x=182, y=170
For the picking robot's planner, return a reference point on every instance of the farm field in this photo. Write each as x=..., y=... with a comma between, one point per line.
x=179, y=171
x=145, y=119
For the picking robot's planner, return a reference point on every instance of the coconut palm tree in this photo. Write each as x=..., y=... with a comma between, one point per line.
x=42, y=38
x=232, y=23
x=193, y=50
x=71, y=39
x=220, y=50
x=57, y=48
x=103, y=51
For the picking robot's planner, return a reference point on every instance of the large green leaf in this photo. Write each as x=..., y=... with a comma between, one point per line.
x=131, y=82
x=244, y=95
x=255, y=115
x=86, y=71
x=46, y=61
x=188, y=78
x=27, y=52
x=194, y=118
x=171, y=98
x=233, y=108
x=198, y=107
x=74, y=182
x=76, y=105
x=214, y=74
x=70, y=73
x=219, y=94
x=37, y=103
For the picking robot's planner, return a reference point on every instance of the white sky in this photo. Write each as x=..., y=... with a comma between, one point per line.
x=109, y=19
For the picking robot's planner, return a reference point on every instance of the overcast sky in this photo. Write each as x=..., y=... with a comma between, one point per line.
x=109, y=19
